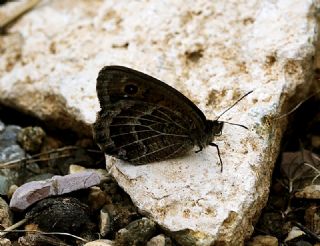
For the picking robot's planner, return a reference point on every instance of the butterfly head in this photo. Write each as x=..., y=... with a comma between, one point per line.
x=213, y=129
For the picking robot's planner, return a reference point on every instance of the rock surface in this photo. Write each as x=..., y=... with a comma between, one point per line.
x=211, y=52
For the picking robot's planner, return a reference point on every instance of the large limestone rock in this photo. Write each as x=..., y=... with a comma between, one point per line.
x=213, y=52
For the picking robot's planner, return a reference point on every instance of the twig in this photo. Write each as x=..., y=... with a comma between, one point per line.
x=48, y=233
x=11, y=228
x=297, y=106
x=17, y=13
x=29, y=160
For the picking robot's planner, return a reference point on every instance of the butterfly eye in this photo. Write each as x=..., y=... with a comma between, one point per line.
x=131, y=89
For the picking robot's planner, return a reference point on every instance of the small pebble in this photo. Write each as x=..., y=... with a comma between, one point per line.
x=5, y=242
x=96, y=198
x=2, y=126
x=105, y=223
x=9, y=135
x=5, y=214
x=11, y=153
x=137, y=232
x=159, y=240
x=263, y=240
x=100, y=242
x=4, y=185
x=11, y=190
x=31, y=138
x=76, y=168
x=309, y=192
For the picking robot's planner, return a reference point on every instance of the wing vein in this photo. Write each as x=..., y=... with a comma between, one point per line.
x=133, y=117
x=150, y=153
x=145, y=113
x=160, y=133
x=126, y=133
x=174, y=122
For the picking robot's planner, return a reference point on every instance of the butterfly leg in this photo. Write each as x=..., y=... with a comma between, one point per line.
x=218, y=150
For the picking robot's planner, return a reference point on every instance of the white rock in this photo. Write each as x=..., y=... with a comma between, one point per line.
x=213, y=52
x=100, y=242
x=159, y=240
x=294, y=233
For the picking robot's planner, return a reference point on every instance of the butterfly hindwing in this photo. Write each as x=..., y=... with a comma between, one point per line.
x=139, y=136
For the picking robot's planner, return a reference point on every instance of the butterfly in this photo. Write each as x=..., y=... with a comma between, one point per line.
x=144, y=120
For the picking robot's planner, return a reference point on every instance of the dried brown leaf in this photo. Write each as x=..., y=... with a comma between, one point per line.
x=301, y=168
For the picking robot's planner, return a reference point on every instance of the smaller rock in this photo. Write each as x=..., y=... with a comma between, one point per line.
x=11, y=190
x=4, y=185
x=2, y=126
x=10, y=176
x=294, y=234
x=312, y=218
x=263, y=240
x=309, y=192
x=160, y=240
x=96, y=198
x=137, y=232
x=100, y=242
x=5, y=214
x=5, y=242
x=11, y=152
x=34, y=191
x=9, y=135
x=31, y=138
x=105, y=223
x=76, y=168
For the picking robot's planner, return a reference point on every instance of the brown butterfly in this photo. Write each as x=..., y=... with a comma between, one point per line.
x=144, y=120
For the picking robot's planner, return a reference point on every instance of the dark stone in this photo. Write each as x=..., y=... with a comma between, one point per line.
x=63, y=214
x=137, y=232
x=9, y=135
x=11, y=152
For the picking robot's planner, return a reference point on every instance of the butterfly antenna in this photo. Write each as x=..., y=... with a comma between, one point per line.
x=233, y=106
x=235, y=124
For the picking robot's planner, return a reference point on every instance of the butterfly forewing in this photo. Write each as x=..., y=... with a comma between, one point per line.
x=142, y=119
